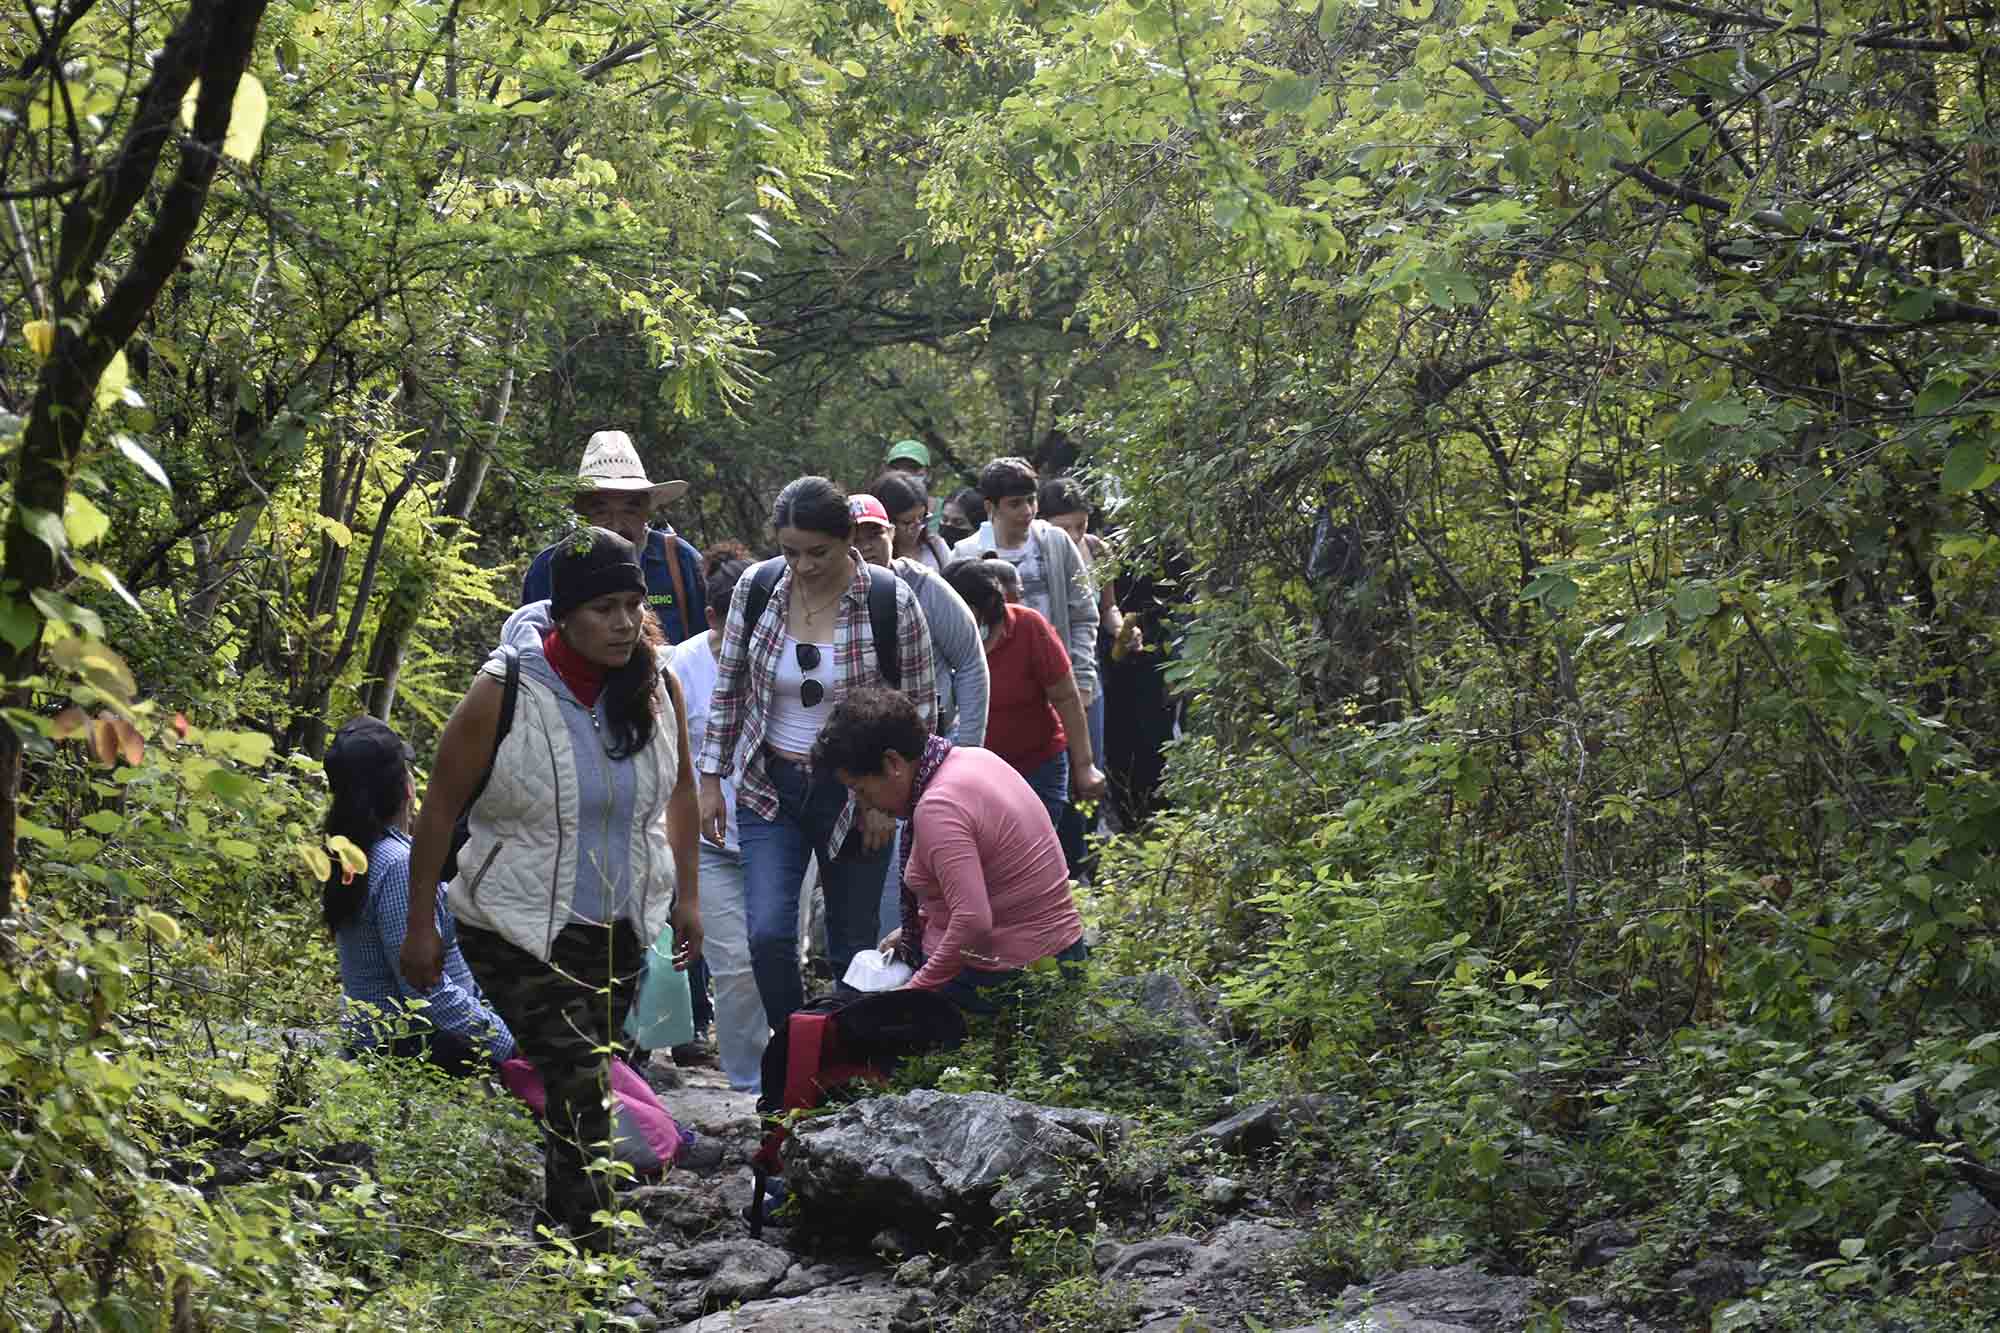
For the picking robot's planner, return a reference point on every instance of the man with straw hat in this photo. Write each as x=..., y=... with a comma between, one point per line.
x=613, y=491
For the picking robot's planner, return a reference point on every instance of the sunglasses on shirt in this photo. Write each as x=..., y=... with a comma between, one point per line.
x=812, y=694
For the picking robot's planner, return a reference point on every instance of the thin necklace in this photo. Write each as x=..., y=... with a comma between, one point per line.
x=812, y=612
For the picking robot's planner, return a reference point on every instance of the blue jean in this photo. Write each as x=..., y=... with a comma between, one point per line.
x=1051, y=783
x=1093, y=717
x=775, y=856
x=978, y=992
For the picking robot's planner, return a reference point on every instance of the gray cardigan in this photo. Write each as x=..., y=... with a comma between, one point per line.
x=1073, y=593
x=960, y=651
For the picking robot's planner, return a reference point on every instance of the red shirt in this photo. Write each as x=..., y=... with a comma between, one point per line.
x=1022, y=726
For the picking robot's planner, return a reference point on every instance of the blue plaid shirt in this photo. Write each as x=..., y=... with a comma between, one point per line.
x=373, y=989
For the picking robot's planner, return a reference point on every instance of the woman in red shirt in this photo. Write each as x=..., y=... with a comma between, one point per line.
x=1034, y=715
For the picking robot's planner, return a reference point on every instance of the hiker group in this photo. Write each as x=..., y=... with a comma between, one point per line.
x=666, y=750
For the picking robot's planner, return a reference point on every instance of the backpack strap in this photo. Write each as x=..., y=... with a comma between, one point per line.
x=762, y=584
x=510, y=691
x=882, y=624
x=680, y=587
x=881, y=614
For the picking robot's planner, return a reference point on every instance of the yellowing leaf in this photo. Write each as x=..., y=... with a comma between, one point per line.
x=336, y=532
x=159, y=925
x=97, y=664
x=69, y=724
x=353, y=860
x=243, y=1090
x=111, y=385
x=83, y=521
x=131, y=745
x=41, y=337
x=20, y=886
x=104, y=741
x=319, y=866
x=247, y=114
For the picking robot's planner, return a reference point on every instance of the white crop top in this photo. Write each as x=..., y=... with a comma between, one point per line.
x=793, y=727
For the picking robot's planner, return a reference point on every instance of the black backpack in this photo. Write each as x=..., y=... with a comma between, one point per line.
x=510, y=691
x=881, y=613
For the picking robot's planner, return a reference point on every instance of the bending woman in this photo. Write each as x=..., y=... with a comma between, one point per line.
x=368, y=773
x=582, y=845
x=778, y=677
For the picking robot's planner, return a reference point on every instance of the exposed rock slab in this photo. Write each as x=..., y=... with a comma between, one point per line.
x=849, y=1310
x=974, y=1155
x=1460, y=1297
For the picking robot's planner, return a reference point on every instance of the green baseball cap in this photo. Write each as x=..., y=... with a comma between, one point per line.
x=910, y=450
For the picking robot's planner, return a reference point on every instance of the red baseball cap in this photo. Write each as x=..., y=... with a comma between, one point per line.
x=868, y=509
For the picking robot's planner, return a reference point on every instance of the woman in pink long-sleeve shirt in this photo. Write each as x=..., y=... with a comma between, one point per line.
x=984, y=880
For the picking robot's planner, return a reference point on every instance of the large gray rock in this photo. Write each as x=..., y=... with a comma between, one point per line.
x=1262, y=1126
x=1178, y=1282
x=1460, y=1297
x=849, y=1310
x=1970, y=1226
x=974, y=1155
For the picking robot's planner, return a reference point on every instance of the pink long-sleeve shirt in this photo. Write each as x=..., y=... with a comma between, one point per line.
x=987, y=870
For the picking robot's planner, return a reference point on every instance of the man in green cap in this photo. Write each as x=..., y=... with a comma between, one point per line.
x=913, y=460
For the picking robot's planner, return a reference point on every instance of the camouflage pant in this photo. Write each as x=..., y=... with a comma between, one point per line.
x=566, y=1014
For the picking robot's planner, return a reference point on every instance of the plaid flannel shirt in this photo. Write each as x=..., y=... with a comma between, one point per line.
x=747, y=674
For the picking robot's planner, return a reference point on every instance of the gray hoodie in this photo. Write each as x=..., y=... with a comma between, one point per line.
x=1072, y=592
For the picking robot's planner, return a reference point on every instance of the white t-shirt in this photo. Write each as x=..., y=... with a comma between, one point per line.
x=793, y=727
x=693, y=664
x=1027, y=562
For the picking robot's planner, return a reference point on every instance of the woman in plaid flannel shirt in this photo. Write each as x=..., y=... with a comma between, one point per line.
x=777, y=682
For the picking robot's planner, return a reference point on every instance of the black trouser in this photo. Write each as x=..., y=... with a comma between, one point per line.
x=566, y=1014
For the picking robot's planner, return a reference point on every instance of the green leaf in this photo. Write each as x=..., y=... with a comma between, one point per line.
x=1330, y=12
x=1964, y=467
x=18, y=624
x=46, y=526
x=237, y=849
x=106, y=822
x=1648, y=628
x=83, y=522
x=1823, y=1175
x=1289, y=92
x=243, y=1090
x=1940, y=395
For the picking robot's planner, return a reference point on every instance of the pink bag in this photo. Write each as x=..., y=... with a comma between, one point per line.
x=643, y=1135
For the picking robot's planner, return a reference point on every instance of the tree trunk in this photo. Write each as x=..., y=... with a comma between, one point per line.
x=212, y=42
x=412, y=592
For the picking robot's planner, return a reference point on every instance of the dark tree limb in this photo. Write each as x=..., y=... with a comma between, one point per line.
x=1924, y=1129
x=212, y=42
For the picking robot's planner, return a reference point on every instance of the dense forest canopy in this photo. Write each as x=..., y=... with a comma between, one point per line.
x=1565, y=433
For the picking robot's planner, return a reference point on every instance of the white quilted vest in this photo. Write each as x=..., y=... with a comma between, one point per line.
x=517, y=870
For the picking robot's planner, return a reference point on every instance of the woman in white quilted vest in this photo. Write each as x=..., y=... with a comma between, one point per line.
x=582, y=846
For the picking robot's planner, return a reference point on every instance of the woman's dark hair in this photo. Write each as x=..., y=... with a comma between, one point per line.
x=813, y=504
x=975, y=581
x=1062, y=495
x=864, y=728
x=633, y=696
x=971, y=504
x=1004, y=478
x=899, y=492
x=368, y=775
x=723, y=576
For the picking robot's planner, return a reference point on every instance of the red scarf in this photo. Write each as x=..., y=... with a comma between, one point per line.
x=584, y=677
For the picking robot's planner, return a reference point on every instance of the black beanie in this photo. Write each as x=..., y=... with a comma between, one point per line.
x=589, y=563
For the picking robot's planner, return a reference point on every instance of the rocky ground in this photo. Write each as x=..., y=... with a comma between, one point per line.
x=900, y=1203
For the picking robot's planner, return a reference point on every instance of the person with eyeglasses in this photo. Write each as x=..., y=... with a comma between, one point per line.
x=800, y=637
x=909, y=507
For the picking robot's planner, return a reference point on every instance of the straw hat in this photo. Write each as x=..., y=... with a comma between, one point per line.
x=611, y=463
